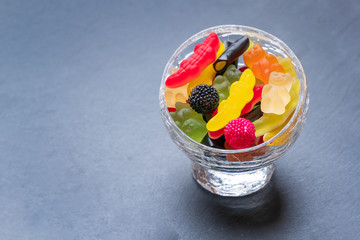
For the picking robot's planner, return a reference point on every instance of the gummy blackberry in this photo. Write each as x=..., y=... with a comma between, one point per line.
x=204, y=99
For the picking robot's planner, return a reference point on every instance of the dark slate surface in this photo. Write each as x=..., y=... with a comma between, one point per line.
x=84, y=154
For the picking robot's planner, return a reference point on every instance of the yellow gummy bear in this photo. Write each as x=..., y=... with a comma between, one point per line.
x=280, y=80
x=275, y=94
x=274, y=99
x=269, y=121
x=174, y=95
x=287, y=65
x=241, y=92
x=208, y=74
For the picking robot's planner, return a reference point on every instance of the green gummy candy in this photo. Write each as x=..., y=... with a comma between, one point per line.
x=222, y=83
x=232, y=74
x=195, y=128
x=222, y=86
x=189, y=121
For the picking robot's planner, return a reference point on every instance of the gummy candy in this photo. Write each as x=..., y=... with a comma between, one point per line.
x=171, y=109
x=174, y=95
x=254, y=54
x=251, y=44
x=246, y=156
x=261, y=63
x=255, y=114
x=264, y=93
x=257, y=97
x=227, y=45
x=222, y=83
x=231, y=54
x=241, y=92
x=189, y=121
x=269, y=135
x=207, y=75
x=218, y=133
x=204, y=54
x=274, y=99
x=280, y=80
x=240, y=133
x=215, y=143
x=204, y=99
x=264, y=67
x=259, y=140
x=275, y=95
x=287, y=65
x=270, y=121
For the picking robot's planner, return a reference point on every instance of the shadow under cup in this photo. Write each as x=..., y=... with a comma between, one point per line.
x=243, y=171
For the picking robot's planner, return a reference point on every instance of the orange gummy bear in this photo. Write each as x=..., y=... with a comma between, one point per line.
x=261, y=63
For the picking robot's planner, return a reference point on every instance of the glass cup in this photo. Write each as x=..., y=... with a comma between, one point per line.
x=243, y=171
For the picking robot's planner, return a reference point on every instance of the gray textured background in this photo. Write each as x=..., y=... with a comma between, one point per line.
x=84, y=154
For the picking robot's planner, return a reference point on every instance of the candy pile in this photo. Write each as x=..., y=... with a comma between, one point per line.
x=221, y=106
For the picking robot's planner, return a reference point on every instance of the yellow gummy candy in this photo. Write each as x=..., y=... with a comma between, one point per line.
x=280, y=140
x=287, y=65
x=275, y=94
x=208, y=74
x=251, y=44
x=174, y=95
x=280, y=80
x=274, y=99
x=269, y=121
x=241, y=92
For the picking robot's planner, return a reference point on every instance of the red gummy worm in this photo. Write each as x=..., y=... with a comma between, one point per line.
x=218, y=133
x=257, y=97
x=191, y=68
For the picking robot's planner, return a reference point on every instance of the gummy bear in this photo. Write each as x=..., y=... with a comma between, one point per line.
x=280, y=80
x=207, y=75
x=241, y=92
x=275, y=94
x=173, y=95
x=261, y=63
x=270, y=121
x=254, y=54
x=222, y=83
x=204, y=54
x=189, y=121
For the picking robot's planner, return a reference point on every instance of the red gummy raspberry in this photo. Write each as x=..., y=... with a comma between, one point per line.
x=240, y=133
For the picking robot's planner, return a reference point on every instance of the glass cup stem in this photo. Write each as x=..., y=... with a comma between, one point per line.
x=232, y=184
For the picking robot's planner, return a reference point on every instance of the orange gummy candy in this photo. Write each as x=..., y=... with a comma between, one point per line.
x=261, y=63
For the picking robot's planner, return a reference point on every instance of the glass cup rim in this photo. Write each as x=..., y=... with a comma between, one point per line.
x=217, y=29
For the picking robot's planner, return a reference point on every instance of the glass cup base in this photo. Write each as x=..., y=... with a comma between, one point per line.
x=232, y=184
